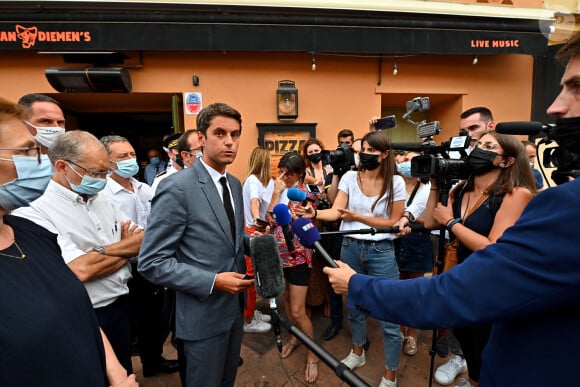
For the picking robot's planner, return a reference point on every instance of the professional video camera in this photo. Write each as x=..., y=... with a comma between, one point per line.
x=436, y=160
x=341, y=159
x=566, y=163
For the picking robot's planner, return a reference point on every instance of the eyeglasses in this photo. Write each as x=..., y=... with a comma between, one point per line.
x=190, y=152
x=91, y=173
x=488, y=146
x=30, y=151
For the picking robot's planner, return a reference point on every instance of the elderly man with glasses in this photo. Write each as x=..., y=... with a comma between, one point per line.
x=95, y=236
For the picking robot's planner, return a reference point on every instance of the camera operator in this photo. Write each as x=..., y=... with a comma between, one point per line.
x=373, y=196
x=525, y=284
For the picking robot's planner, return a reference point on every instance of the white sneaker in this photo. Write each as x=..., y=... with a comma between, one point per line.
x=261, y=316
x=353, y=360
x=387, y=383
x=446, y=373
x=256, y=326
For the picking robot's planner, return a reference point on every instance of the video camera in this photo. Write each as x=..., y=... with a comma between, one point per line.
x=565, y=162
x=341, y=159
x=435, y=160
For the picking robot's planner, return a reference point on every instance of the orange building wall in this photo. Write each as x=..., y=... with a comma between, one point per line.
x=342, y=93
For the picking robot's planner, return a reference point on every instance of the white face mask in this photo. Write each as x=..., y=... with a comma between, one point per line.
x=46, y=135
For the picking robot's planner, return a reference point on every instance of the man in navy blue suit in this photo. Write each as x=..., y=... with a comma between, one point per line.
x=527, y=283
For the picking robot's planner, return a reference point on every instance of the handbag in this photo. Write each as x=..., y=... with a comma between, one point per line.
x=450, y=250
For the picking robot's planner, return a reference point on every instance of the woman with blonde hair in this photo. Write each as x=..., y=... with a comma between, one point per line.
x=256, y=192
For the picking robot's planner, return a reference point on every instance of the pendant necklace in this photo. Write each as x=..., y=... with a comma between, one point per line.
x=21, y=256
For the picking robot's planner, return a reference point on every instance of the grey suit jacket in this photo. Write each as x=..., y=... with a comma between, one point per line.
x=187, y=242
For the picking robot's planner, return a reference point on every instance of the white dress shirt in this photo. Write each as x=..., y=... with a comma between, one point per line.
x=135, y=204
x=80, y=227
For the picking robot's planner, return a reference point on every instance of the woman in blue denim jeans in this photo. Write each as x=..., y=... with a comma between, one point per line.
x=373, y=196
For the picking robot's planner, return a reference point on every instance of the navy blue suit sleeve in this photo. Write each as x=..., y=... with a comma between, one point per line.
x=533, y=267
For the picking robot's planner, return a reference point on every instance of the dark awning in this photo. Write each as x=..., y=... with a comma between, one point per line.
x=110, y=26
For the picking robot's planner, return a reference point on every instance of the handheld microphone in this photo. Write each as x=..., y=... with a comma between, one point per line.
x=296, y=195
x=523, y=127
x=283, y=218
x=269, y=275
x=309, y=236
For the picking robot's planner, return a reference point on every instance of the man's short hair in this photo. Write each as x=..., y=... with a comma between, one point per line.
x=484, y=113
x=216, y=109
x=108, y=140
x=183, y=142
x=345, y=133
x=71, y=146
x=570, y=49
x=27, y=100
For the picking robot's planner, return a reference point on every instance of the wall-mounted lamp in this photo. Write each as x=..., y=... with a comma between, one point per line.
x=313, y=63
x=395, y=67
x=475, y=60
x=287, y=100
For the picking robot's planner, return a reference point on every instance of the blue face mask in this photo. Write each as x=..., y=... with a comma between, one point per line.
x=32, y=179
x=155, y=160
x=127, y=168
x=404, y=168
x=89, y=185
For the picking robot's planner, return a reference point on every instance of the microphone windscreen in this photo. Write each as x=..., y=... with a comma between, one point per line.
x=282, y=214
x=519, y=127
x=267, y=266
x=296, y=195
x=306, y=231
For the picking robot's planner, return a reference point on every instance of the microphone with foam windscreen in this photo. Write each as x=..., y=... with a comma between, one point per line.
x=270, y=284
x=269, y=275
x=309, y=236
x=296, y=195
x=523, y=127
x=283, y=218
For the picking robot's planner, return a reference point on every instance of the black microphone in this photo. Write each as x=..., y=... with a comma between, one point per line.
x=283, y=218
x=309, y=236
x=269, y=275
x=523, y=127
x=409, y=146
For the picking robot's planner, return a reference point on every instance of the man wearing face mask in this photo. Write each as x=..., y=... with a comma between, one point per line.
x=134, y=199
x=188, y=148
x=176, y=162
x=155, y=166
x=525, y=284
x=96, y=238
x=44, y=117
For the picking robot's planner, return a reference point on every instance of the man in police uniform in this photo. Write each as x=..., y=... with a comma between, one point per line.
x=176, y=162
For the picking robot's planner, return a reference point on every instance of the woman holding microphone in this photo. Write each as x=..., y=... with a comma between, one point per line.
x=373, y=196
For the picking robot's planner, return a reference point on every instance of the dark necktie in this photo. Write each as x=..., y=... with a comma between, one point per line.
x=228, y=206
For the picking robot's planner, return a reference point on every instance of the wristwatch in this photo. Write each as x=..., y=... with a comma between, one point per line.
x=99, y=249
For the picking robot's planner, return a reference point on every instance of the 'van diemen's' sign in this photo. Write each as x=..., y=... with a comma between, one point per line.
x=216, y=35
x=28, y=36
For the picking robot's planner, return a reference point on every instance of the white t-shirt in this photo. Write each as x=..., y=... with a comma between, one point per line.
x=254, y=189
x=362, y=204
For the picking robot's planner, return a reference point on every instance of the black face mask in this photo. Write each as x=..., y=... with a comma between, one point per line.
x=567, y=134
x=369, y=161
x=315, y=157
x=481, y=161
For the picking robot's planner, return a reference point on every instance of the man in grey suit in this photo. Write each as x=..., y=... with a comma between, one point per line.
x=195, y=244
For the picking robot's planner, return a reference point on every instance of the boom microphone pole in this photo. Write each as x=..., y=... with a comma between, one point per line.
x=373, y=230
x=270, y=284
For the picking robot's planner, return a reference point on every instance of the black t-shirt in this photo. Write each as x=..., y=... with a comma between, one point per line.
x=49, y=335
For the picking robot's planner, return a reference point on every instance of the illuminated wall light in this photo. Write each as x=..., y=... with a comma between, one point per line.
x=395, y=68
x=313, y=63
x=475, y=60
